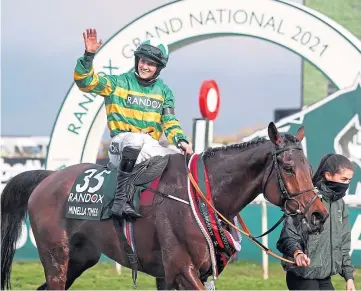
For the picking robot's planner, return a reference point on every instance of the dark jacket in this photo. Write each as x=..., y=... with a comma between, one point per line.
x=329, y=251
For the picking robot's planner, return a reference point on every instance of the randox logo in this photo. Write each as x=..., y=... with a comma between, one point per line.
x=114, y=148
x=80, y=197
x=142, y=101
x=332, y=125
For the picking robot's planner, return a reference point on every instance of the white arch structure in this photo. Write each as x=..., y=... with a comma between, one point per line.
x=81, y=121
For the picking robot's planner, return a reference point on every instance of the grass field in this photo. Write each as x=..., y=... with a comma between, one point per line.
x=346, y=13
x=236, y=276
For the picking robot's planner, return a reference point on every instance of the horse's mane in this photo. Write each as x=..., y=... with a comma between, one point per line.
x=245, y=145
x=238, y=146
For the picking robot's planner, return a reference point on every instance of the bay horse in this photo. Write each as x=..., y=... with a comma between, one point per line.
x=170, y=244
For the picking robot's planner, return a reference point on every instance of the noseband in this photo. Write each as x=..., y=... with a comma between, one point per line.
x=285, y=195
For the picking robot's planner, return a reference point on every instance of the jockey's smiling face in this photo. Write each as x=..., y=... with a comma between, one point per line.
x=146, y=68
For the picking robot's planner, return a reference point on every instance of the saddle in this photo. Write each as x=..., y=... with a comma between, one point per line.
x=143, y=174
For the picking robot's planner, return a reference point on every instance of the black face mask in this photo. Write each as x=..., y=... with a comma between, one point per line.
x=339, y=189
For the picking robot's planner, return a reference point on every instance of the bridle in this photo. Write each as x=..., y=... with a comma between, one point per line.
x=286, y=197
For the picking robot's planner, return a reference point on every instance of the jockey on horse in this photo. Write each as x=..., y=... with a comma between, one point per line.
x=139, y=106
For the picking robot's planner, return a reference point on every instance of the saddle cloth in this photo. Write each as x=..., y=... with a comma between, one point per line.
x=92, y=194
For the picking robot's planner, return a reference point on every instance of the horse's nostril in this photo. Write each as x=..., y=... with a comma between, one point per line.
x=316, y=218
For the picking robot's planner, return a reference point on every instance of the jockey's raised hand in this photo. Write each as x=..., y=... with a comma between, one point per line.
x=90, y=40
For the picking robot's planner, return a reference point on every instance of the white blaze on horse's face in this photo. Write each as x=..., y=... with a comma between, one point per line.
x=146, y=68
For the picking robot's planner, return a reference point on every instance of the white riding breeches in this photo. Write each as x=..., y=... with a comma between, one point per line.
x=148, y=145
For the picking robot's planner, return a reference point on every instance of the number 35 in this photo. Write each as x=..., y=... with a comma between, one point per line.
x=99, y=177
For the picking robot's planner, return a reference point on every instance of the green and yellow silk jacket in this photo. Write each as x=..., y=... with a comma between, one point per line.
x=131, y=107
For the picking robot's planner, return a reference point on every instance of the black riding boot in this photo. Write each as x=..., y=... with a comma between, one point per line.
x=121, y=206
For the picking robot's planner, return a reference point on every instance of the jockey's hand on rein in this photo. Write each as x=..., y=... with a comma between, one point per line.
x=185, y=148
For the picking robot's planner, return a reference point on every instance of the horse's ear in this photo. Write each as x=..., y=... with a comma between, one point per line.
x=274, y=134
x=300, y=133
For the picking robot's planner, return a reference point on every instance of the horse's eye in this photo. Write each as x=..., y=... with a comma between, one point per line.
x=288, y=169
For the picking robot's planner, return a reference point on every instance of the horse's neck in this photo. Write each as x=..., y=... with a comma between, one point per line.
x=236, y=177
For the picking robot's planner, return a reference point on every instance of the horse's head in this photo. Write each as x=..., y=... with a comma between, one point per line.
x=288, y=183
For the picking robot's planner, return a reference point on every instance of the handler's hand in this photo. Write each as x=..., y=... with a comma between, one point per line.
x=302, y=260
x=350, y=285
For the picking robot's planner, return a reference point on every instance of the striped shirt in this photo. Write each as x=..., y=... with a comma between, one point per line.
x=131, y=107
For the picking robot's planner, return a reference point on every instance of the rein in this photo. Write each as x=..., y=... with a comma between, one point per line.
x=241, y=221
x=285, y=196
x=246, y=231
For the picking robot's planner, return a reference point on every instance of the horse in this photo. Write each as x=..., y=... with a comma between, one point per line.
x=170, y=244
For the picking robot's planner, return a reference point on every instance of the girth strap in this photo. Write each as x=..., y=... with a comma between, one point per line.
x=132, y=256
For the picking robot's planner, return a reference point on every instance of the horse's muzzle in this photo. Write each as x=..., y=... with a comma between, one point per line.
x=315, y=221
